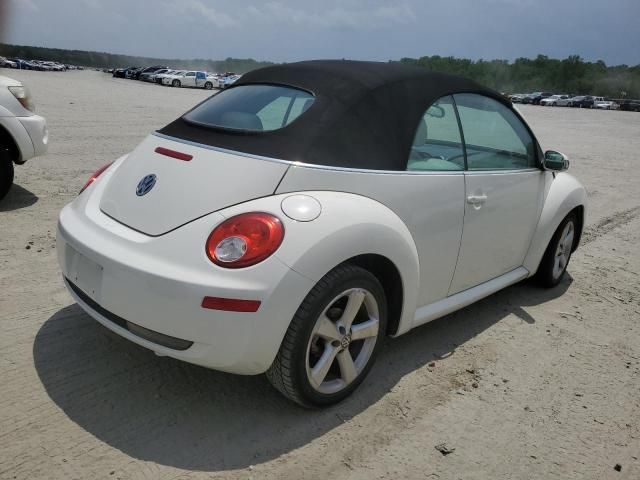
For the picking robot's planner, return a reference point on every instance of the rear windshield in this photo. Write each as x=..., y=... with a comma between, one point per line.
x=256, y=108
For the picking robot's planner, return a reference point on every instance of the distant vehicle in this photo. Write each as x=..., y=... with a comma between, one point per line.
x=6, y=63
x=517, y=97
x=148, y=71
x=23, y=64
x=606, y=104
x=192, y=78
x=159, y=76
x=151, y=76
x=630, y=105
x=132, y=73
x=227, y=80
x=23, y=134
x=167, y=79
x=122, y=72
x=535, y=97
x=555, y=101
x=586, y=102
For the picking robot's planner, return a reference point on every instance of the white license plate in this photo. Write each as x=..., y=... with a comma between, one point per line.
x=85, y=273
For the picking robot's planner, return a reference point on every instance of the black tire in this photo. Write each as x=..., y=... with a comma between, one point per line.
x=208, y=85
x=6, y=173
x=545, y=276
x=175, y=83
x=288, y=372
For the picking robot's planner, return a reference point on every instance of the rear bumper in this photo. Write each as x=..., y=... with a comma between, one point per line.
x=158, y=283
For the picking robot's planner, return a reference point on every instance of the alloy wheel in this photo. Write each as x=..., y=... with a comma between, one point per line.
x=563, y=250
x=342, y=341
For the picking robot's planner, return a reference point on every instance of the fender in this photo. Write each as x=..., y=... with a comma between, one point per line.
x=562, y=194
x=349, y=225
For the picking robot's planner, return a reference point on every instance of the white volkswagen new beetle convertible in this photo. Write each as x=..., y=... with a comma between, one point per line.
x=287, y=223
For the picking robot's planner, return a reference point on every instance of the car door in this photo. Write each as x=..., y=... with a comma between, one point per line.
x=503, y=190
x=200, y=78
x=189, y=79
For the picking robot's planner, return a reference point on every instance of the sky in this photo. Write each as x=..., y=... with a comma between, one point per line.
x=283, y=31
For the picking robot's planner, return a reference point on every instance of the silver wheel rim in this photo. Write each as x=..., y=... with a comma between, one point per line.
x=563, y=250
x=342, y=341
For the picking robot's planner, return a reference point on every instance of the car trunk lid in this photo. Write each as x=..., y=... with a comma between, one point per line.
x=183, y=182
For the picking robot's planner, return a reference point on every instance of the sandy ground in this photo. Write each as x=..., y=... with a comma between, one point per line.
x=526, y=384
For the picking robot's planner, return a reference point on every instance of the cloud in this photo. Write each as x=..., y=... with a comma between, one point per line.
x=27, y=4
x=198, y=10
x=354, y=17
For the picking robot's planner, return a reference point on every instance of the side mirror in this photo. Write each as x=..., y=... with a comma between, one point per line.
x=555, y=161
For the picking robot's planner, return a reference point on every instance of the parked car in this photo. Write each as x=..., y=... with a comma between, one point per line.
x=190, y=78
x=227, y=80
x=605, y=104
x=148, y=71
x=586, y=101
x=535, y=97
x=151, y=76
x=555, y=101
x=132, y=73
x=630, y=105
x=167, y=79
x=6, y=63
x=517, y=97
x=339, y=236
x=23, y=64
x=160, y=76
x=23, y=134
x=122, y=72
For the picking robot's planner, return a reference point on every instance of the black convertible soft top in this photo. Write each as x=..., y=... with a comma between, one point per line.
x=365, y=114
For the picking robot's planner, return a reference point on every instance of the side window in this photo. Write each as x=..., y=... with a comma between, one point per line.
x=437, y=144
x=494, y=136
x=190, y=74
x=283, y=110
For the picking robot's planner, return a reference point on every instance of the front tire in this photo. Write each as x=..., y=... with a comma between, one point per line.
x=6, y=173
x=553, y=265
x=175, y=83
x=333, y=339
x=208, y=85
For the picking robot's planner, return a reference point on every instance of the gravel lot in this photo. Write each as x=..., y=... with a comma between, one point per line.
x=526, y=384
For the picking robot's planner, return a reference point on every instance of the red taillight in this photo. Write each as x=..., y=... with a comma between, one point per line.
x=95, y=175
x=231, y=304
x=245, y=240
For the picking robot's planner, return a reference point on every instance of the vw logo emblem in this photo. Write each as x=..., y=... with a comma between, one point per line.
x=145, y=185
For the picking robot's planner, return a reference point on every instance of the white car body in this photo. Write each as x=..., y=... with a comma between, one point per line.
x=605, y=105
x=190, y=78
x=28, y=130
x=4, y=62
x=137, y=264
x=224, y=81
x=161, y=76
x=556, y=100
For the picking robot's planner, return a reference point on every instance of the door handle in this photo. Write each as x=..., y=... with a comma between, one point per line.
x=476, y=199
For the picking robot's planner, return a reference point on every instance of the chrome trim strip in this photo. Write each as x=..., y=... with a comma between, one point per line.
x=499, y=172
x=342, y=169
x=306, y=165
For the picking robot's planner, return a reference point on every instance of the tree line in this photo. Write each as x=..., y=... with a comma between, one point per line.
x=573, y=75
x=110, y=60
